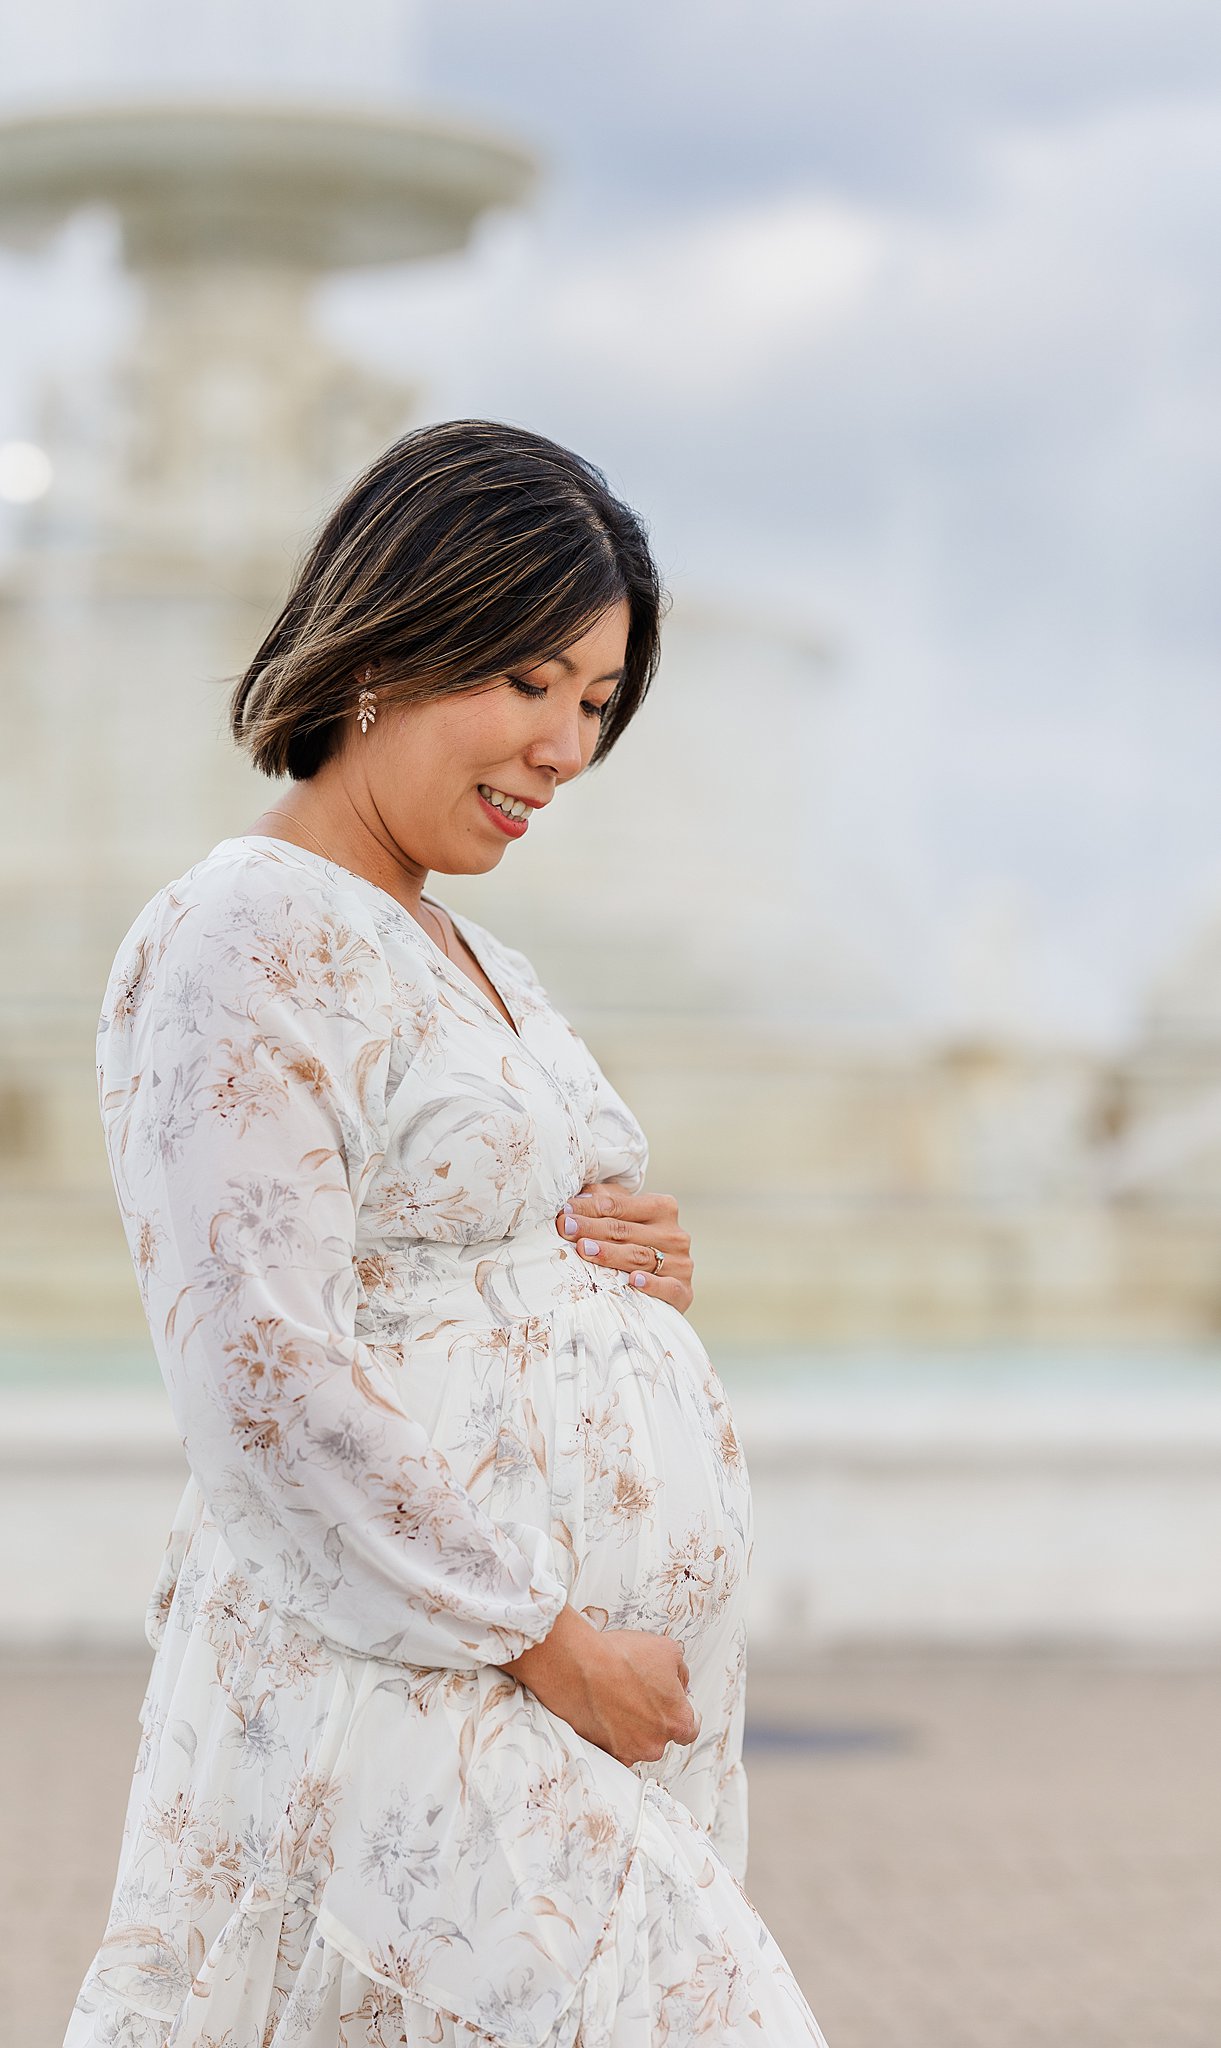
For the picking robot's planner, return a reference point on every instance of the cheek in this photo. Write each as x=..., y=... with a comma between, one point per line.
x=415, y=784
x=437, y=750
x=436, y=753
x=478, y=731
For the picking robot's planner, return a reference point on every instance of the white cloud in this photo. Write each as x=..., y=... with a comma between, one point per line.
x=700, y=312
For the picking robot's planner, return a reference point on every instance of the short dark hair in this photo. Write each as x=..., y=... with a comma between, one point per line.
x=468, y=548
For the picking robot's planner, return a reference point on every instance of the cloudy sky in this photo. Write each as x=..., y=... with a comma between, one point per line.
x=899, y=315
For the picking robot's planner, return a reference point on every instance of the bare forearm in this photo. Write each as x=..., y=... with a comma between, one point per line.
x=552, y=1665
x=623, y=1689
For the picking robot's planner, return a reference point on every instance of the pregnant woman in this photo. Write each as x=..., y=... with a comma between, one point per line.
x=442, y=1738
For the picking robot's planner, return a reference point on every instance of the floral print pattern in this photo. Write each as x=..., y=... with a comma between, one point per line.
x=416, y=1424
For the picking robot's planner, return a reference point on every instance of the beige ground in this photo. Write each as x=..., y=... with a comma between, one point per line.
x=987, y=1852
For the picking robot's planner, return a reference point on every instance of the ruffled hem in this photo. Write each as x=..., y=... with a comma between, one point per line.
x=685, y=1960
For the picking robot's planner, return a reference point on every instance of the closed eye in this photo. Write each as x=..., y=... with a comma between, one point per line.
x=540, y=690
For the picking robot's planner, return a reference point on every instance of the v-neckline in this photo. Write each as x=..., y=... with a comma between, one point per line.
x=514, y=1026
x=463, y=927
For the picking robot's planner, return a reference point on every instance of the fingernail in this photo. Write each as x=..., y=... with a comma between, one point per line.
x=589, y=1245
x=571, y=1226
x=638, y=1279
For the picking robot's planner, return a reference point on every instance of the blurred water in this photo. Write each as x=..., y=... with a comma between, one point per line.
x=940, y=1373
x=1085, y=1369
x=48, y=1367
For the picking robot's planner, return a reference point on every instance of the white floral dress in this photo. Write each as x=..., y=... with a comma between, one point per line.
x=416, y=1423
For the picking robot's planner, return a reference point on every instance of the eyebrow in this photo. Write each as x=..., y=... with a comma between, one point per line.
x=566, y=662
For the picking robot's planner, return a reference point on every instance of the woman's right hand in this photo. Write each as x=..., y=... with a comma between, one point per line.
x=623, y=1689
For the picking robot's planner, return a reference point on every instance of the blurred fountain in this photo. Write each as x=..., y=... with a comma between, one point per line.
x=158, y=505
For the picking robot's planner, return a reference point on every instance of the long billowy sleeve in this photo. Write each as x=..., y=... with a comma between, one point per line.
x=243, y=1055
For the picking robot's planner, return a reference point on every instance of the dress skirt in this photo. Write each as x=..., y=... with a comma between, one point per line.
x=686, y=1959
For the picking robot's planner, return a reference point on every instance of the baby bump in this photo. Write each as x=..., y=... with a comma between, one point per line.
x=604, y=1424
x=617, y=1436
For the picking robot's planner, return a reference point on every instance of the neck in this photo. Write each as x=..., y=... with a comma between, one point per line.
x=344, y=837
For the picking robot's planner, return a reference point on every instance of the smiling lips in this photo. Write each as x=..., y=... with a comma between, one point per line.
x=511, y=813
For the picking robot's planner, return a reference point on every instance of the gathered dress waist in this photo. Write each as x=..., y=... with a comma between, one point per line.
x=412, y=1285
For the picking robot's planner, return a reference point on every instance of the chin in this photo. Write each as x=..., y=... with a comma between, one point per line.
x=474, y=862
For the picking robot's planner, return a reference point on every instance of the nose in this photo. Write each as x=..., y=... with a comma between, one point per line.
x=558, y=745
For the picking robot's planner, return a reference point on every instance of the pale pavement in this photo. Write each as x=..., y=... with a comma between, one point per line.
x=954, y=1851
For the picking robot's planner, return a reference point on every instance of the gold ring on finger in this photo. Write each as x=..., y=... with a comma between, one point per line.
x=658, y=1259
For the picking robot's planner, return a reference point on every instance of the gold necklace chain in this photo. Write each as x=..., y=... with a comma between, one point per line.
x=326, y=856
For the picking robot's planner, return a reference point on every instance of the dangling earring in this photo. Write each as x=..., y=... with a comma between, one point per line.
x=366, y=704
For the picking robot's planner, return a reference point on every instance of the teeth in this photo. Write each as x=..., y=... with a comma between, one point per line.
x=512, y=806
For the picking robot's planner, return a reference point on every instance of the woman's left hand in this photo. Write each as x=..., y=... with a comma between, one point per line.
x=609, y=1227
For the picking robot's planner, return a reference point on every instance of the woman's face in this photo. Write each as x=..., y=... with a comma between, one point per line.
x=430, y=769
